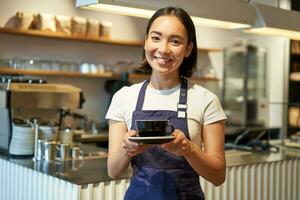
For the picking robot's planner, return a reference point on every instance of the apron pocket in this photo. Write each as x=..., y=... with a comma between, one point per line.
x=135, y=192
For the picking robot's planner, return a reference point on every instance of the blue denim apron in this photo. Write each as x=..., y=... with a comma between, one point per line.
x=158, y=174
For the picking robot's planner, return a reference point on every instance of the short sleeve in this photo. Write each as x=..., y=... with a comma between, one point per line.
x=116, y=110
x=213, y=112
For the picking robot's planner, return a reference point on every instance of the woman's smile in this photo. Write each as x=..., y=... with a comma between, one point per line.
x=162, y=60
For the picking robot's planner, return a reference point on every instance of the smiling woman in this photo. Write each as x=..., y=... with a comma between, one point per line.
x=170, y=170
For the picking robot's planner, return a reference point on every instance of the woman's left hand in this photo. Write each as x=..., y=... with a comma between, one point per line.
x=180, y=146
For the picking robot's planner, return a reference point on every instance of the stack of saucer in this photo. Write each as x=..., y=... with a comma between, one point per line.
x=22, y=141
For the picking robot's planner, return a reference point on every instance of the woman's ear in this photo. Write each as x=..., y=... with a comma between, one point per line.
x=189, y=49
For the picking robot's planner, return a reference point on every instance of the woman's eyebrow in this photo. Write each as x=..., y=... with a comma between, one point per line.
x=156, y=32
x=159, y=33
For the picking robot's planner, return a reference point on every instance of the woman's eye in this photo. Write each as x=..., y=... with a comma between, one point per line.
x=155, y=38
x=176, y=42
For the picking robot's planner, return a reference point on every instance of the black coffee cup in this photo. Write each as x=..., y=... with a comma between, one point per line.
x=154, y=128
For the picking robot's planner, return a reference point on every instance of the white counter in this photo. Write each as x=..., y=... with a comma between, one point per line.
x=261, y=176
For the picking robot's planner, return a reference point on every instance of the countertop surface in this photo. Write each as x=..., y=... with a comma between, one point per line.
x=94, y=170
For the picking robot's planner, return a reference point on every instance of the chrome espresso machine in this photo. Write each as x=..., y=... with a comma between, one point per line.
x=23, y=101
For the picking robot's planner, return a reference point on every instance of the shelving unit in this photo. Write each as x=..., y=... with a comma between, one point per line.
x=294, y=88
x=61, y=36
x=109, y=75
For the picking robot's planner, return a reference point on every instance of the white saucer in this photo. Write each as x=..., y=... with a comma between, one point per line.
x=151, y=140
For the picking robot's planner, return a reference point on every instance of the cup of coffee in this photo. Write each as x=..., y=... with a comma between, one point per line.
x=154, y=128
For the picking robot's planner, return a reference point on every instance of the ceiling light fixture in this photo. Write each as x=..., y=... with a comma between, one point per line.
x=211, y=13
x=275, y=21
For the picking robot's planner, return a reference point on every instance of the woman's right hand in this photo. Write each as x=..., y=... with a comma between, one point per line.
x=132, y=148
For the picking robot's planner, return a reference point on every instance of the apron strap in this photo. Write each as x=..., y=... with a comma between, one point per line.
x=182, y=104
x=140, y=101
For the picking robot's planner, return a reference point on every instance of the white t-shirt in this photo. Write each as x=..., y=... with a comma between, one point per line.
x=203, y=107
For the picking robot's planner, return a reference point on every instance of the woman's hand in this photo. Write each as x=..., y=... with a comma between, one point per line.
x=132, y=148
x=180, y=146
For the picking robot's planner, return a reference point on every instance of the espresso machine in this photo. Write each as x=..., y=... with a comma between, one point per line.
x=23, y=101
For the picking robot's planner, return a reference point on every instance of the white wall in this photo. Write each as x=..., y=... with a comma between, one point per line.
x=128, y=28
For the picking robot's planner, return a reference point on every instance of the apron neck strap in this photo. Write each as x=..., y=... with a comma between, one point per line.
x=182, y=104
x=183, y=91
x=140, y=101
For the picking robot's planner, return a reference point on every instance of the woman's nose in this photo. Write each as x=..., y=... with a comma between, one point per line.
x=164, y=47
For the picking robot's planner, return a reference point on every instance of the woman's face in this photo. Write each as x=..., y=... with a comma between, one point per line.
x=166, y=45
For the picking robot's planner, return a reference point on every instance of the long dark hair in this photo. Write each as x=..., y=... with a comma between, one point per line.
x=188, y=65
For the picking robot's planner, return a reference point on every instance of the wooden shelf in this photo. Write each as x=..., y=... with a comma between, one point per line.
x=49, y=34
x=106, y=75
x=11, y=71
x=295, y=76
x=295, y=81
